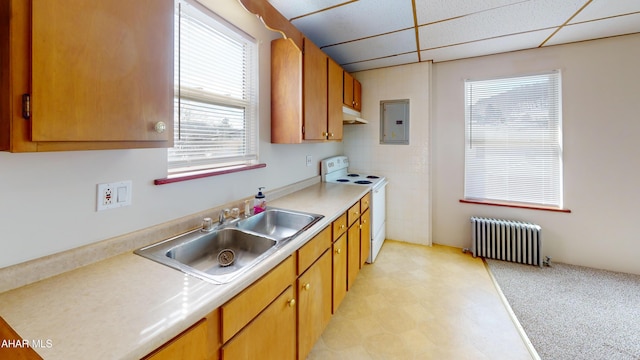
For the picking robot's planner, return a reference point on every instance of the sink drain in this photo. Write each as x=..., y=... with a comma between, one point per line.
x=226, y=257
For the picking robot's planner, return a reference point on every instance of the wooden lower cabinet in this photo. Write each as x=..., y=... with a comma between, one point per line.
x=191, y=344
x=353, y=253
x=365, y=236
x=271, y=335
x=339, y=276
x=314, y=303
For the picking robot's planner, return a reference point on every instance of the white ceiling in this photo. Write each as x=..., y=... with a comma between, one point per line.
x=368, y=34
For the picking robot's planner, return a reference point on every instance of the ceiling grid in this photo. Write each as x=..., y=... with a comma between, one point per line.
x=368, y=34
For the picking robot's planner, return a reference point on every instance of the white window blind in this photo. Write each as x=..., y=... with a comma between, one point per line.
x=514, y=140
x=216, y=121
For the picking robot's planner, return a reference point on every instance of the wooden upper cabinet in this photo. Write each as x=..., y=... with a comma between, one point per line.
x=314, y=91
x=347, y=89
x=357, y=95
x=304, y=105
x=99, y=74
x=286, y=92
x=352, y=92
x=334, y=110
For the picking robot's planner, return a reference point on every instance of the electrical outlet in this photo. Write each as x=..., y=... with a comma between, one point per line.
x=308, y=160
x=113, y=195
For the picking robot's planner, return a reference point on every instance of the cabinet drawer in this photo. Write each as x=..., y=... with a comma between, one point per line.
x=354, y=213
x=191, y=344
x=364, y=202
x=339, y=226
x=237, y=312
x=313, y=249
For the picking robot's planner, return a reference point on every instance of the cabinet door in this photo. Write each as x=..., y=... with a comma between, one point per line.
x=353, y=244
x=314, y=92
x=347, y=92
x=339, y=264
x=365, y=236
x=101, y=70
x=314, y=303
x=271, y=335
x=334, y=121
x=357, y=95
x=286, y=92
x=239, y=311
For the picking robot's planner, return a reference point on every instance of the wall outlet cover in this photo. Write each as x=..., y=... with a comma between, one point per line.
x=113, y=195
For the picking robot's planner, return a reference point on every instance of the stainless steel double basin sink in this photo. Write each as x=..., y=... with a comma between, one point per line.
x=230, y=250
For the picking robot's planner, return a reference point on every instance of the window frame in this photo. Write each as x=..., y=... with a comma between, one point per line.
x=249, y=159
x=491, y=199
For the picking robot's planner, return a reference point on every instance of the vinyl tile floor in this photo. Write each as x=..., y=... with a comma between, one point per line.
x=420, y=302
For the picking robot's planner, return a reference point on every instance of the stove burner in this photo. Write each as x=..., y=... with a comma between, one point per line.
x=342, y=180
x=373, y=177
x=363, y=182
x=353, y=175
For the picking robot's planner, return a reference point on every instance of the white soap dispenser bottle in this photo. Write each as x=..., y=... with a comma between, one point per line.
x=259, y=202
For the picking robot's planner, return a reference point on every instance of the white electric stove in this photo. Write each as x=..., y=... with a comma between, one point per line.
x=336, y=170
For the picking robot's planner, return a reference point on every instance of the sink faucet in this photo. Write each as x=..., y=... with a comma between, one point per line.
x=223, y=216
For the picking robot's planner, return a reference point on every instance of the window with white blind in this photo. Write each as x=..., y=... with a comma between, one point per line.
x=513, y=147
x=216, y=64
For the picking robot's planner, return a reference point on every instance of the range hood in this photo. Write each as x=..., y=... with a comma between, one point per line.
x=350, y=116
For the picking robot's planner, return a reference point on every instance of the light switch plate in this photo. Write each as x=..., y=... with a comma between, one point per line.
x=113, y=195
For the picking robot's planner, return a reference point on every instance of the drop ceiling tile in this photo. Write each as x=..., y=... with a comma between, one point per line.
x=599, y=9
x=291, y=9
x=372, y=48
x=597, y=29
x=429, y=11
x=493, y=46
x=380, y=63
x=513, y=19
x=356, y=20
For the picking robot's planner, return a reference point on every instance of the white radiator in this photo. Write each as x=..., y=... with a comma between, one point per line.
x=506, y=240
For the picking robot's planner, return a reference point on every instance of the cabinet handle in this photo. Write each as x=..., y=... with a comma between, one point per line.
x=338, y=251
x=291, y=302
x=364, y=221
x=356, y=213
x=330, y=134
x=160, y=127
x=342, y=227
x=307, y=286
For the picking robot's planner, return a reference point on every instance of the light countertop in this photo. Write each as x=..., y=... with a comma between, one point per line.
x=126, y=306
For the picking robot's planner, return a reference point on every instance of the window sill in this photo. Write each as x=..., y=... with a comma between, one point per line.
x=205, y=173
x=515, y=205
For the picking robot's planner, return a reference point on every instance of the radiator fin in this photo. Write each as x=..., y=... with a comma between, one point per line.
x=507, y=240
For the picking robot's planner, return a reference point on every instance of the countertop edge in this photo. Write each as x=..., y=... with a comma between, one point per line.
x=305, y=199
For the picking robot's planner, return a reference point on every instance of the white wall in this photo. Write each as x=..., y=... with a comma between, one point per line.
x=48, y=200
x=405, y=166
x=601, y=109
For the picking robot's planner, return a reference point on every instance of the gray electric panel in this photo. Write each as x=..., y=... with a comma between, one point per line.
x=394, y=122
